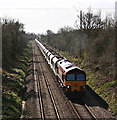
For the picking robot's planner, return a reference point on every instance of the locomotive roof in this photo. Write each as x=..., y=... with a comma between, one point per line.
x=67, y=65
x=51, y=56
x=57, y=58
x=45, y=50
x=49, y=53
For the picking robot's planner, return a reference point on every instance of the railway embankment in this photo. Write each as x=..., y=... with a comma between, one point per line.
x=103, y=85
x=13, y=85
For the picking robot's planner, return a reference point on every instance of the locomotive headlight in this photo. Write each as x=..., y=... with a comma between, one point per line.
x=67, y=86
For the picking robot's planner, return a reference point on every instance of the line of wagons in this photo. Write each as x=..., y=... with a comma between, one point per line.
x=73, y=78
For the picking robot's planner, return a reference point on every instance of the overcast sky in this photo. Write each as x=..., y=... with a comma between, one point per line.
x=40, y=15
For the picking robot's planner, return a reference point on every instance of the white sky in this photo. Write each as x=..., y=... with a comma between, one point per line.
x=40, y=15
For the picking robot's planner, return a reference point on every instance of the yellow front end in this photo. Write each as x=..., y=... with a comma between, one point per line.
x=75, y=86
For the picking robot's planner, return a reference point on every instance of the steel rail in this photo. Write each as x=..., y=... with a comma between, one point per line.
x=88, y=109
x=91, y=113
x=77, y=114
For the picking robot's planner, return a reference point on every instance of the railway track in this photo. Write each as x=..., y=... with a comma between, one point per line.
x=44, y=88
x=81, y=111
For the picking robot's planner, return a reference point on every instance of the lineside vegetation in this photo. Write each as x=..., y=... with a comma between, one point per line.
x=91, y=46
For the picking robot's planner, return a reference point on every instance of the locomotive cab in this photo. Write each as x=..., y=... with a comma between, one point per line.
x=75, y=81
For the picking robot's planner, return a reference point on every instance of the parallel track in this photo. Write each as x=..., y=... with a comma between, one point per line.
x=40, y=68
x=39, y=88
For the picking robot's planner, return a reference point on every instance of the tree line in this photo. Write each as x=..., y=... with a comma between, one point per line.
x=93, y=37
x=14, y=39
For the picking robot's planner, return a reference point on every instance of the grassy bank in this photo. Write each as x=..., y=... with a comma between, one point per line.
x=13, y=85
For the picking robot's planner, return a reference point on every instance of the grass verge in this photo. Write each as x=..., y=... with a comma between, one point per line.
x=13, y=86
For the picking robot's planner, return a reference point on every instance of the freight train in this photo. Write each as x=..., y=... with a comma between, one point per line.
x=72, y=78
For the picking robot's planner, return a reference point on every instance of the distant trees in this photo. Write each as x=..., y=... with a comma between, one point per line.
x=67, y=41
x=65, y=29
x=108, y=22
x=93, y=38
x=90, y=21
x=49, y=34
x=101, y=36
